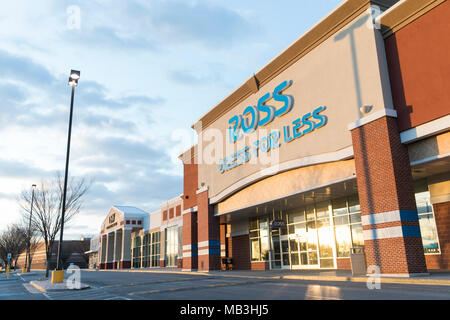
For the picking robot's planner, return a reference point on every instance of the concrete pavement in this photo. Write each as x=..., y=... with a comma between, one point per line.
x=236, y=285
x=434, y=278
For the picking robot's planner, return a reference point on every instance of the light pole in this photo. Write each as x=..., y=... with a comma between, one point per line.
x=28, y=255
x=73, y=82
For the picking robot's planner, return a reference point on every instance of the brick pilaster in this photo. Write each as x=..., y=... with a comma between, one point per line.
x=208, y=235
x=190, y=248
x=390, y=222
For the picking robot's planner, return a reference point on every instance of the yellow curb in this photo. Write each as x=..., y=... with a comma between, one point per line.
x=38, y=287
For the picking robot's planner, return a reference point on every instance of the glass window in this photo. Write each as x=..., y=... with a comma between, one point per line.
x=172, y=246
x=427, y=222
x=357, y=235
x=259, y=239
x=339, y=207
x=347, y=225
x=136, y=252
x=353, y=204
x=310, y=216
x=256, y=253
x=322, y=210
x=343, y=240
x=297, y=216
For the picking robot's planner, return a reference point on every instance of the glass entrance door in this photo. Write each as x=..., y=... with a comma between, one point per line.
x=285, y=259
x=303, y=246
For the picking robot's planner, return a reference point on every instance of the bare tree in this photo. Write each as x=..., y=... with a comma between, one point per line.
x=13, y=241
x=47, y=207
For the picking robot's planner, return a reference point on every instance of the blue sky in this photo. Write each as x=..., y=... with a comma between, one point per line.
x=149, y=69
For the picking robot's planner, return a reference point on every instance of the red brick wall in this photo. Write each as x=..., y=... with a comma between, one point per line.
x=240, y=252
x=343, y=264
x=178, y=211
x=260, y=265
x=190, y=184
x=208, y=229
x=171, y=213
x=190, y=238
x=164, y=215
x=419, y=68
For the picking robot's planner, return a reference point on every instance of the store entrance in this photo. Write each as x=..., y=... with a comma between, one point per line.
x=303, y=247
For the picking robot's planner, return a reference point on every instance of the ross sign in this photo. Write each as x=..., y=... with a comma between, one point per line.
x=277, y=224
x=262, y=115
x=239, y=124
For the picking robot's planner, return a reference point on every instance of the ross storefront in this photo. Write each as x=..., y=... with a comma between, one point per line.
x=341, y=143
x=320, y=152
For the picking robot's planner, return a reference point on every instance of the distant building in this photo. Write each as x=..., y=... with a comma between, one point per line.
x=73, y=252
x=93, y=253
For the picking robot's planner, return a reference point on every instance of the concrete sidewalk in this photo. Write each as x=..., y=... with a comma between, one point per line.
x=46, y=286
x=434, y=278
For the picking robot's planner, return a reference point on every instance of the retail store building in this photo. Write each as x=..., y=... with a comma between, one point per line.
x=342, y=141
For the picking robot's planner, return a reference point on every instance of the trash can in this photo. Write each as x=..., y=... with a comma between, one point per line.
x=358, y=261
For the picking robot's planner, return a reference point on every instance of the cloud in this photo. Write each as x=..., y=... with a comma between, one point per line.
x=194, y=78
x=101, y=36
x=125, y=170
x=139, y=25
x=24, y=70
x=17, y=169
x=204, y=23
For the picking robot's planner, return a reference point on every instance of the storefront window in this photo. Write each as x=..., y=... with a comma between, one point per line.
x=155, y=248
x=136, y=252
x=347, y=225
x=427, y=223
x=172, y=246
x=259, y=239
x=146, y=251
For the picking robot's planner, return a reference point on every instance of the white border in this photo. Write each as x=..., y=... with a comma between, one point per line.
x=372, y=117
x=426, y=130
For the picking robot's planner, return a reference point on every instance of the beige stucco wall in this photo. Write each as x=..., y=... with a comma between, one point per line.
x=288, y=183
x=439, y=187
x=324, y=77
x=118, y=218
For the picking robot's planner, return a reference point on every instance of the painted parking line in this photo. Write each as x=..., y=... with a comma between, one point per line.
x=197, y=287
x=31, y=289
x=12, y=294
x=91, y=294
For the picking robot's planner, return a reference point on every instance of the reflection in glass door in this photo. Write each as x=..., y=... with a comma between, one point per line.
x=285, y=263
x=303, y=245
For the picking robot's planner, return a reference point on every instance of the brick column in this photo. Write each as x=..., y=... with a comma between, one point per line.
x=208, y=234
x=190, y=249
x=392, y=236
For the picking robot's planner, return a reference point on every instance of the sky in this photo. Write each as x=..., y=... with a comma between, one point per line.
x=149, y=70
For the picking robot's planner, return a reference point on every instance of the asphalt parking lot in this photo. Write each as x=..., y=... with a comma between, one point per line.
x=112, y=285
